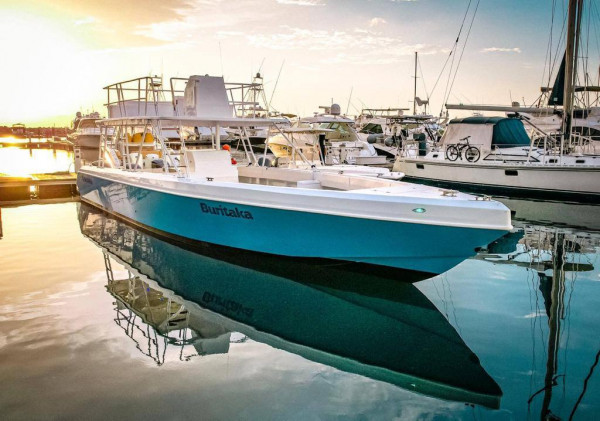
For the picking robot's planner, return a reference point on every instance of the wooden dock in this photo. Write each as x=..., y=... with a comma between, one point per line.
x=38, y=188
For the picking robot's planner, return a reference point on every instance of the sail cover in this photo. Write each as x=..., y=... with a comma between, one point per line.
x=558, y=90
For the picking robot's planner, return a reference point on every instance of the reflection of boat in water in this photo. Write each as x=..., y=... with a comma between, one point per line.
x=555, y=256
x=359, y=323
x=554, y=213
x=155, y=321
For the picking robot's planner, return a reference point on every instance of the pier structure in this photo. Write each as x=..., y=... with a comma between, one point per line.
x=38, y=188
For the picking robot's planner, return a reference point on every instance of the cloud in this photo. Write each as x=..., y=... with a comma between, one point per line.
x=202, y=16
x=376, y=21
x=347, y=47
x=302, y=2
x=501, y=50
x=316, y=39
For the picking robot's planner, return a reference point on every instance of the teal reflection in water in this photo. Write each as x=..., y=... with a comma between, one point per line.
x=359, y=323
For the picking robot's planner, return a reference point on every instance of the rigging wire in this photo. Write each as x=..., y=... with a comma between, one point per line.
x=548, y=58
x=423, y=78
x=463, y=49
x=451, y=54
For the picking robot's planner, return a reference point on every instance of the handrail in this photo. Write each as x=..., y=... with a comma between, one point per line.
x=149, y=90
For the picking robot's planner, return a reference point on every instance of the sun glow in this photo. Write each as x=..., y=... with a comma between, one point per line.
x=37, y=72
x=19, y=162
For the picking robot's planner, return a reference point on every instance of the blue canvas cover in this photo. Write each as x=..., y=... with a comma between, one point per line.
x=508, y=132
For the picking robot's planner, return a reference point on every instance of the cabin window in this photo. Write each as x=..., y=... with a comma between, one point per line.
x=372, y=128
x=580, y=161
x=87, y=124
x=420, y=166
x=435, y=155
x=552, y=161
x=511, y=172
x=343, y=128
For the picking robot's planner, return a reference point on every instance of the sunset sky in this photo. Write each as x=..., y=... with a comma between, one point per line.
x=57, y=55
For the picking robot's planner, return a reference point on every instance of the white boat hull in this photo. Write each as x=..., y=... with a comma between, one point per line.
x=580, y=184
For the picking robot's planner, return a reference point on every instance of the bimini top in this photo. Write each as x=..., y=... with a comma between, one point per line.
x=485, y=132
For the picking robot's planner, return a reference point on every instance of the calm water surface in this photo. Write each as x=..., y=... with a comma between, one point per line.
x=99, y=320
x=21, y=162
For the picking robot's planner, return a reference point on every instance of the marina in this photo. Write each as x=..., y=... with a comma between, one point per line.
x=300, y=210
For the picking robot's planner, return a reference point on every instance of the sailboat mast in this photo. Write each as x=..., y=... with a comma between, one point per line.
x=554, y=316
x=570, y=60
x=415, y=92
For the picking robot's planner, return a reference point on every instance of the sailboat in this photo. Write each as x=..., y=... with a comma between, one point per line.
x=496, y=155
x=361, y=323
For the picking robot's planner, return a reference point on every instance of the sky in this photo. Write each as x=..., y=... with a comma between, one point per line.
x=58, y=55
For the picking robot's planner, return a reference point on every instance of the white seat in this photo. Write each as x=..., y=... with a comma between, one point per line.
x=211, y=164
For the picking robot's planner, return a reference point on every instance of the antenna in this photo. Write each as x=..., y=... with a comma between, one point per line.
x=349, y=98
x=275, y=87
x=415, y=92
x=221, y=58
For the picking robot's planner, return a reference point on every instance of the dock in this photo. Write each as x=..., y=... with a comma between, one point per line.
x=38, y=188
x=57, y=145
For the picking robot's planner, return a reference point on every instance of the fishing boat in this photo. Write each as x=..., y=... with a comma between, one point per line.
x=495, y=155
x=203, y=299
x=198, y=194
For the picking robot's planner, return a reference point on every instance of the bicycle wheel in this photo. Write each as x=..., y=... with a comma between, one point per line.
x=452, y=153
x=472, y=154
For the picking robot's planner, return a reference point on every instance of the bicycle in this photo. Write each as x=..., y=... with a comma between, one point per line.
x=471, y=153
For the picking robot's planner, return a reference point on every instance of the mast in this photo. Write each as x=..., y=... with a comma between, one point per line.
x=570, y=68
x=554, y=316
x=415, y=92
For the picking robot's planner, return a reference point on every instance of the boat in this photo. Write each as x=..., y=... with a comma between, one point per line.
x=388, y=134
x=327, y=137
x=199, y=300
x=495, y=155
x=198, y=194
x=85, y=133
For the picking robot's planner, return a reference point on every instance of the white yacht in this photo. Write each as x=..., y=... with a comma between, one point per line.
x=387, y=128
x=85, y=134
x=198, y=194
x=329, y=138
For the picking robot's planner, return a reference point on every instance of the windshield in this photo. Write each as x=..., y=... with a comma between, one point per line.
x=338, y=127
x=372, y=128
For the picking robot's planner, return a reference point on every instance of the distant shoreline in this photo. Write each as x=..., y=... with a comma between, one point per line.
x=6, y=131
